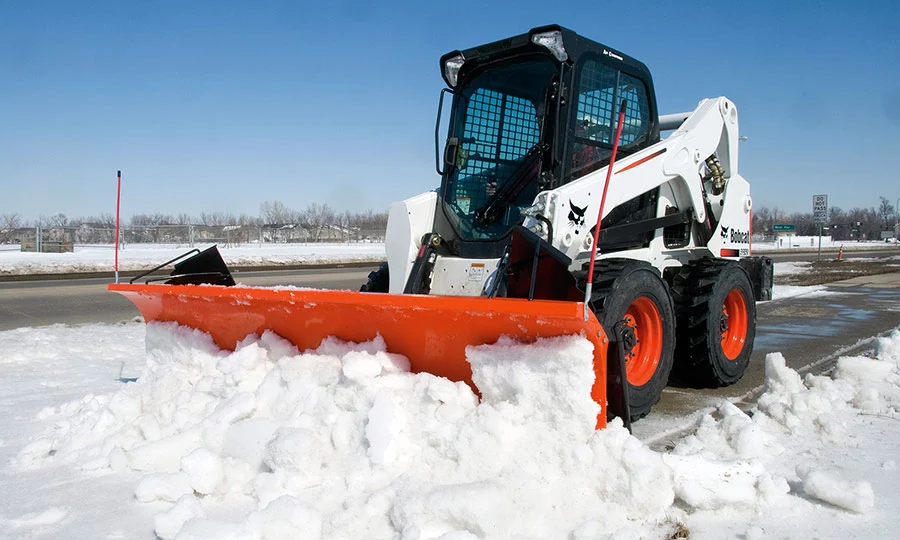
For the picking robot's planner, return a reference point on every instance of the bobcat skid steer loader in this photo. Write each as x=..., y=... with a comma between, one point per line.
x=561, y=210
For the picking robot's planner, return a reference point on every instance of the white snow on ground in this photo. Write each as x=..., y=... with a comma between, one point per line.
x=781, y=292
x=343, y=442
x=101, y=258
x=781, y=269
x=788, y=243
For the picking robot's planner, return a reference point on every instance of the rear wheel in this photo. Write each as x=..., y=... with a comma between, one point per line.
x=633, y=292
x=716, y=312
x=379, y=280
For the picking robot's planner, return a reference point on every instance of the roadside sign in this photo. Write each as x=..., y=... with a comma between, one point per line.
x=820, y=208
x=783, y=227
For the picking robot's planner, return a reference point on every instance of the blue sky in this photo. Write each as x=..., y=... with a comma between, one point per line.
x=220, y=106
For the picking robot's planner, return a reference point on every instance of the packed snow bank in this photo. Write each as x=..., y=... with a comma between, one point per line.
x=343, y=442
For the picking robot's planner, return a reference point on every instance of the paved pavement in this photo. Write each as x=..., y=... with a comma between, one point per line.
x=80, y=301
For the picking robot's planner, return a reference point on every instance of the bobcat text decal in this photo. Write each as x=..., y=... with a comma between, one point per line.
x=736, y=236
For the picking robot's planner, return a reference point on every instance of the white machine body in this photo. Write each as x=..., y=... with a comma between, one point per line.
x=679, y=165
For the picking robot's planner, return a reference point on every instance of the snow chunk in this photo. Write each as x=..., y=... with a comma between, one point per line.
x=860, y=369
x=705, y=484
x=386, y=420
x=246, y=440
x=167, y=525
x=162, y=487
x=854, y=496
x=549, y=380
x=204, y=470
x=289, y=517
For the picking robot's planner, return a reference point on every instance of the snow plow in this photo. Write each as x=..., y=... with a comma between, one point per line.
x=561, y=211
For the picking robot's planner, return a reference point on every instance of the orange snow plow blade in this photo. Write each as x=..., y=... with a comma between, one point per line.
x=432, y=331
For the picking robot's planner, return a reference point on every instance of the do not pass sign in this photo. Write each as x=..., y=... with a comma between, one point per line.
x=820, y=208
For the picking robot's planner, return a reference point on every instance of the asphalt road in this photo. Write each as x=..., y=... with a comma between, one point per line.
x=79, y=301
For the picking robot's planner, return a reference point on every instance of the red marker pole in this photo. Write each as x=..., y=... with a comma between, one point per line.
x=612, y=161
x=118, y=199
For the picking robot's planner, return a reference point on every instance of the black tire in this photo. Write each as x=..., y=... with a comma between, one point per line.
x=713, y=347
x=379, y=280
x=621, y=286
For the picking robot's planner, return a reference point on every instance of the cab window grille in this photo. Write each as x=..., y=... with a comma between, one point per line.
x=600, y=91
x=499, y=130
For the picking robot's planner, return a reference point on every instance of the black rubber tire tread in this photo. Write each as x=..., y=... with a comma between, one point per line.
x=617, y=283
x=699, y=290
x=379, y=280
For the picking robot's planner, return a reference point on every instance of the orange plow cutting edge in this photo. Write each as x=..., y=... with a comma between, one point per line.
x=432, y=331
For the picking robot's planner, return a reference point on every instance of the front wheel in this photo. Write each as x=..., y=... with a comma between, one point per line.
x=634, y=293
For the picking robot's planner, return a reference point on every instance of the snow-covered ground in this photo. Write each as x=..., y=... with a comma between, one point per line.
x=343, y=442
x=101, y=258
x=812, y=242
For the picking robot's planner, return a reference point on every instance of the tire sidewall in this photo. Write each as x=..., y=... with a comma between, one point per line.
x=733, y=277
x=624, y=293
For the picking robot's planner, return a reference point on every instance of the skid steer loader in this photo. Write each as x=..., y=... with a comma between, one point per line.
x=561, y=210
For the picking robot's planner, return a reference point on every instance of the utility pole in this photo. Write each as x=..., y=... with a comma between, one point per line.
x=897, y=226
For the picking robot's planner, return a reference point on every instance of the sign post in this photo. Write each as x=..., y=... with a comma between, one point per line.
x=820, y=216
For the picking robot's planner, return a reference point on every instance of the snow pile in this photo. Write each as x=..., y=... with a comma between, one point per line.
x=736, y=459
x=344, y=442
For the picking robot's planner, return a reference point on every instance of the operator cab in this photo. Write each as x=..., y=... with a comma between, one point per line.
x=517, y=127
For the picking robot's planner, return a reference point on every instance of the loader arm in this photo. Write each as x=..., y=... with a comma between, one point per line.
x=671, y=170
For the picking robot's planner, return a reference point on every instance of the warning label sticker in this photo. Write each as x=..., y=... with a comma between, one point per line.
x=476, y=272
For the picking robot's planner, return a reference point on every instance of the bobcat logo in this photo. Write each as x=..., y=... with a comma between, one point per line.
x=724, y=232
x=576, y=214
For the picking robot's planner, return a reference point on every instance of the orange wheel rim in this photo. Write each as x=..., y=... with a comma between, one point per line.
x=642, y=360
x=734, y=324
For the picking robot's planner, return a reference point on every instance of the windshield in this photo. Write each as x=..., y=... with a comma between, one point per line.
x=498, y=119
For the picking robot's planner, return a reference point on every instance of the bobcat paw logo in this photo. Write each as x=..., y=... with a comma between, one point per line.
x=576, y=214
x=724, y=232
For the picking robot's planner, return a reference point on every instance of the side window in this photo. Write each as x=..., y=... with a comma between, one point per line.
x=499, y=127
x=499, y=130
x=600, y=92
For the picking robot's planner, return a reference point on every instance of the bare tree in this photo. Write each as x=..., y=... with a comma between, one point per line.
x=59, y=220
x=184, y=219
x=217, y=218
x=8, y=225
x=276, y=213
x=316, y=218
x=885, y=211
x=11, y=221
